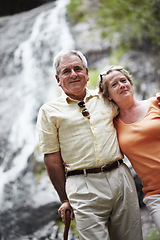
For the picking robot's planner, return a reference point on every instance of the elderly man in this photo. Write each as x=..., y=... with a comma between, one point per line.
x=83, y=159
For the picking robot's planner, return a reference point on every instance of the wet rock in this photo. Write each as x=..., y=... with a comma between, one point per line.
x=26, y=220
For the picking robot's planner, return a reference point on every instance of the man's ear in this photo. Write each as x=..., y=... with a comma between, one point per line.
x=87, y=74
x=58, y=81
x=109, y=98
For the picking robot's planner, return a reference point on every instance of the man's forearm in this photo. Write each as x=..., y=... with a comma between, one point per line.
x=54, y=165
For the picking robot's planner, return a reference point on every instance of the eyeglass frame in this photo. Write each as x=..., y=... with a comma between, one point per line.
x=110, y=69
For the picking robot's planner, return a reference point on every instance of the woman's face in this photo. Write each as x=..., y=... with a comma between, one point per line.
x=119, y=86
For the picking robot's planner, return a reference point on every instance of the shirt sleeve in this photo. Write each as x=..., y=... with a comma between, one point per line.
x=47, y=132
x=115, y=109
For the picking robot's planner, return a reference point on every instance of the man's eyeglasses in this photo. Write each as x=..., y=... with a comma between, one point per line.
x=85, y=112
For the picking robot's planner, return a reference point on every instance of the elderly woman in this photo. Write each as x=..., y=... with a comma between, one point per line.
x=138, y=128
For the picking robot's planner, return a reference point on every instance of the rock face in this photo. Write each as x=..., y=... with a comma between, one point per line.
x=28, y=203
x=9, y=7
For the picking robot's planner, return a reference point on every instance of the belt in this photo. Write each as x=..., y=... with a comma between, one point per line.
x=104, y=168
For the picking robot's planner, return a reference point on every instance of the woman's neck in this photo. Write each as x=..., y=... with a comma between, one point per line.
x=133, y=111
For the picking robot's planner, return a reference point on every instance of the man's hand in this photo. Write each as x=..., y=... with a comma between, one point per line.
x=158, y=98
x=65, y=206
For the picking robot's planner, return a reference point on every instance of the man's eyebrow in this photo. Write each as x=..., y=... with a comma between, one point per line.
x=78, y=66
x=67, y=68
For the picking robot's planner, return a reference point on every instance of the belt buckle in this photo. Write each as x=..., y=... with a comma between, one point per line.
x=85, y=172
x=103, y=167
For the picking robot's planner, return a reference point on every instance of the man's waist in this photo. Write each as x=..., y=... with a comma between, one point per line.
x=104, y=168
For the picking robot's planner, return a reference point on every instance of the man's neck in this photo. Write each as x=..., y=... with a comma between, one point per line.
x=77, y=97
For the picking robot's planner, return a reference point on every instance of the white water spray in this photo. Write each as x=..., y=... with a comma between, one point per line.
x=50, y=34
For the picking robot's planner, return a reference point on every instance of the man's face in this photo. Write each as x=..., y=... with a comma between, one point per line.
x=72, y=76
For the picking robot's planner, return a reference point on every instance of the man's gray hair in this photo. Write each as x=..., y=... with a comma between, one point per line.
x=65, y=53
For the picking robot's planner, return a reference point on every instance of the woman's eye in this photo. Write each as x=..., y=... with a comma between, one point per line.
x=114, y=84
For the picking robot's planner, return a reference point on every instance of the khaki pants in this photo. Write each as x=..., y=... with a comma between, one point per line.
x=105, y=205
x=153, y=204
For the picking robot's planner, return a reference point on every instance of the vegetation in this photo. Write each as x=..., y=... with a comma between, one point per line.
x=116, y=55
x=93, y=76
x=137, y=22
x=133, y=22
x=77, y=11
x=154, y=236
x=72, y=229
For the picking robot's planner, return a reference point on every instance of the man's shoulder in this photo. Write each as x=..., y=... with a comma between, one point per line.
x=54, y=103
x=91, y=93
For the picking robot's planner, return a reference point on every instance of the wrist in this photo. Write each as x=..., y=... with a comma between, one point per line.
x=66, y=200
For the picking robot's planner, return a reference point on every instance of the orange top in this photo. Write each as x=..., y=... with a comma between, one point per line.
x=140, y=142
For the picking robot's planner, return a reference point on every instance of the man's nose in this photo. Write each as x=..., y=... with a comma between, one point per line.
x=73, y=73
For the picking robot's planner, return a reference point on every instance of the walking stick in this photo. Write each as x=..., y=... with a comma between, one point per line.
x=67, y=225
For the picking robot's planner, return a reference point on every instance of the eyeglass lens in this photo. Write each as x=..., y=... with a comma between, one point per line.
x=81, y=104
x=85, y=112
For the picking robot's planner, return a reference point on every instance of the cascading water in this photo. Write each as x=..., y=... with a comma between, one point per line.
x=28, y=88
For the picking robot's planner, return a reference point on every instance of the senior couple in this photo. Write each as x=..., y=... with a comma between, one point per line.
x=79, y=134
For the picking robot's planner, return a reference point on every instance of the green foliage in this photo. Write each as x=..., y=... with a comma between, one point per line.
x=136, y=21
x=116, y=55
x=76, y=11
x=113, y=60
x=39, y=169
x=154, y=236
x=93, y=78
x=72, y=229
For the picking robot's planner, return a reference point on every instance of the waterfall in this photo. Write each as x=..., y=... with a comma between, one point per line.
x=32, y=85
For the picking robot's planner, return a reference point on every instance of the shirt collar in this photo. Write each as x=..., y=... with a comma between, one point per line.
x=89, y=94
